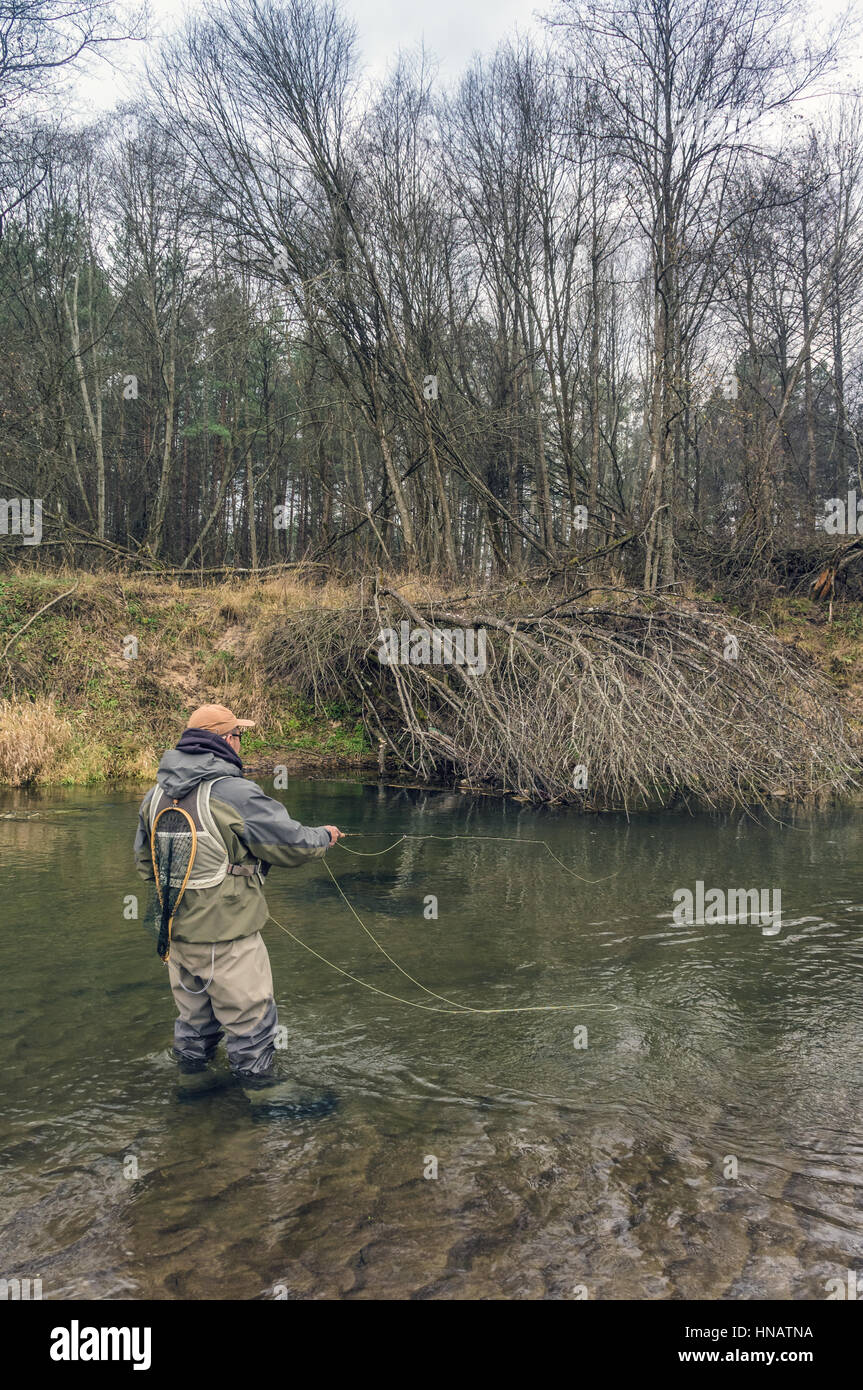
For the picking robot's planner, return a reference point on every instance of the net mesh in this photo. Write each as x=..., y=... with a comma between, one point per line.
x=173, y=846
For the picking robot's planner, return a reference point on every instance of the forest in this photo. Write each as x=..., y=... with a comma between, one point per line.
x=600, y=297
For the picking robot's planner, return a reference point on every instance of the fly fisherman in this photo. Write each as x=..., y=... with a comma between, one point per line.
x=217, y=961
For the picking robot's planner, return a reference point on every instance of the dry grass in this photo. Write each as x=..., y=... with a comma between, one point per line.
x=33, y=740
x=195, y=646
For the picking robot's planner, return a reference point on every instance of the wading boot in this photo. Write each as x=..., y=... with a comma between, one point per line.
x=269, y=1094
x=197, y=1079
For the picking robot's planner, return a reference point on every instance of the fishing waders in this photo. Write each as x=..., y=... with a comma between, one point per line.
x=210, y=838
x=226, y=989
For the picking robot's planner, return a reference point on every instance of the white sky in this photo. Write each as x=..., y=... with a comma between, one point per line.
x=452, y=30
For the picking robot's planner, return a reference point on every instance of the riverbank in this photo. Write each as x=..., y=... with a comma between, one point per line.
x=80, y=703
x=98, y=672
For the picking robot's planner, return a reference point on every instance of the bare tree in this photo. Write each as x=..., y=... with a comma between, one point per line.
x=683, y=87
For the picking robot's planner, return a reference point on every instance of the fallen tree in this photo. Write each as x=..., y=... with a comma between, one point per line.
x=628, y=701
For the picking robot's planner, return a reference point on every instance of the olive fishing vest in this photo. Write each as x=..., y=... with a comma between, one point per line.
x=211, y=864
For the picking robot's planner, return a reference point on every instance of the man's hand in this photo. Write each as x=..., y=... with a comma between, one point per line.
x=335, y=833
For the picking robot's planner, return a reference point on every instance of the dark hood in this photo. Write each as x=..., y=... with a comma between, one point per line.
x=198, y=757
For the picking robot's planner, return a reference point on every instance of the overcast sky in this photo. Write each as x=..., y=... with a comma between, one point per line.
x=452, y=30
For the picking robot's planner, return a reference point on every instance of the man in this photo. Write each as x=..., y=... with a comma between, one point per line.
x=218, y=965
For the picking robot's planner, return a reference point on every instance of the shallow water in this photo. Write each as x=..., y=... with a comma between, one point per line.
x=562, y=1171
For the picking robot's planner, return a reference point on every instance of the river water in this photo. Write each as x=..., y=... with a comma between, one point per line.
x=691, y=1129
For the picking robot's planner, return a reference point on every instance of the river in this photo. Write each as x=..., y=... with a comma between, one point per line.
x=690, y=1129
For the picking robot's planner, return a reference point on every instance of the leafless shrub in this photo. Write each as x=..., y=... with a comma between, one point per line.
x=655, y=698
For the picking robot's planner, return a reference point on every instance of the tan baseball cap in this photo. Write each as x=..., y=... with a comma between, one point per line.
x=218, y=719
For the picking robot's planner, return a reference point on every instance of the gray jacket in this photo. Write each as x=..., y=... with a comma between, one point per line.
x=253, y=827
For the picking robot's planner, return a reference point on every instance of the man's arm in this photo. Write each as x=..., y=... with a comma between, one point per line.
x=269, y=833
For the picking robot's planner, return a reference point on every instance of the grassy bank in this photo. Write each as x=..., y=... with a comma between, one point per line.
x=75, y=709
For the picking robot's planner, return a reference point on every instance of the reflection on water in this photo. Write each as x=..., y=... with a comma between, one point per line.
x=711, y=1047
